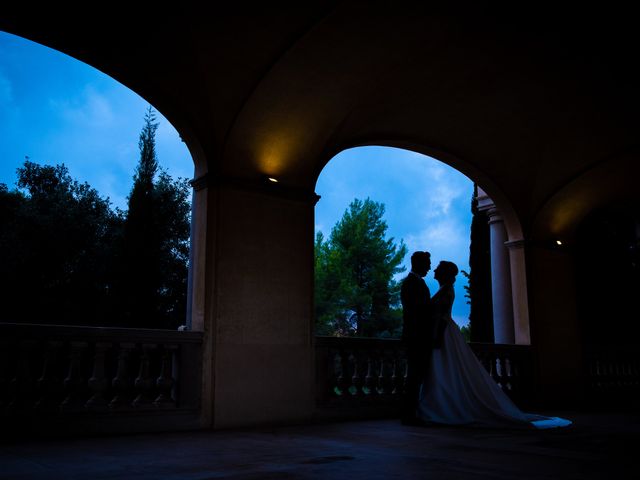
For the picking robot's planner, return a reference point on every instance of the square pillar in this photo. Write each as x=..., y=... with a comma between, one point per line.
x=555, y=327
x=260, y=310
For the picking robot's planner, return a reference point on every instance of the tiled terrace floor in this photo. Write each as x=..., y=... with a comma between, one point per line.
x=596, y=446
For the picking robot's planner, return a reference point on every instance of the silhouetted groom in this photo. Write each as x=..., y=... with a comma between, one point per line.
x=417, y=332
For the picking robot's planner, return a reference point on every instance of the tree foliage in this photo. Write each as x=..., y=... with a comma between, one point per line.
x=152, y=284
x=56, y=241
x=355, y=292
x=67, y=257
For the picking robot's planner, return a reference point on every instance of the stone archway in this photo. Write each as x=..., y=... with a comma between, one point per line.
x=508, y=265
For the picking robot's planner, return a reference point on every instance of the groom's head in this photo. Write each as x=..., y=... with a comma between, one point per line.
x=420, y=263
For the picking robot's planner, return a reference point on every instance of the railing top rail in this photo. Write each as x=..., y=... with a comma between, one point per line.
x=357, y=342
x=68, y=332
x=367, y=342
x=499, y=347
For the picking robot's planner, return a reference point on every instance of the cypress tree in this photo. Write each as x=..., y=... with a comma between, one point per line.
x=479, y=290
x=155, y=248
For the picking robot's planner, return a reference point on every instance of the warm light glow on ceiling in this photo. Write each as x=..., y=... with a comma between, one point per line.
x=558, y=242
x=276, y=152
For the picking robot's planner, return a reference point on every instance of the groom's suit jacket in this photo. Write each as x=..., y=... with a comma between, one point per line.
x=417, y=327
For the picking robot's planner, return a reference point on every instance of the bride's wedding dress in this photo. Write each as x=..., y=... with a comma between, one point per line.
x=459, y=391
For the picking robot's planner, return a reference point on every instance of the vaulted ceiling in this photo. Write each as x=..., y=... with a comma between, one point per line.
x=528, y=103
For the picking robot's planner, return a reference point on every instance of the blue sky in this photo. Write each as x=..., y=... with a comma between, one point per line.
x=55, y=109
x=428, y=204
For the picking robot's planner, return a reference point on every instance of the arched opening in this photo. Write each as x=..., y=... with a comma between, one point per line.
x=78, y=134
x=76, y=156
x=407, y=167
x=429, y=204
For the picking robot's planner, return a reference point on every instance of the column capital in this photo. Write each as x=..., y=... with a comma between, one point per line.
x=200, y=183
x=494, y=215
x=255, y=185
x=484, y=201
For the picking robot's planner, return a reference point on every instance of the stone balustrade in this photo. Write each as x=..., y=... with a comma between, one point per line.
x=97, y=379
x=613, y=376
x=369, y=374
x=63, y=379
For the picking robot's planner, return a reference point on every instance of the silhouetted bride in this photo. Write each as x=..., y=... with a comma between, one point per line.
x=458, y=390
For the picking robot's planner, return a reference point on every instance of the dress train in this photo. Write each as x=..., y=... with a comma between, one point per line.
x=459, y=391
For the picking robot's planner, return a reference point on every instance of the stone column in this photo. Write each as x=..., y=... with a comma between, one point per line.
x=501, y=281
x=259, y=312
x=196, y=294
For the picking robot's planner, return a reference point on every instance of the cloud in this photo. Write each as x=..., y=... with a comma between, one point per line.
x=90, y=109
x=440, y=200
x=446, y=239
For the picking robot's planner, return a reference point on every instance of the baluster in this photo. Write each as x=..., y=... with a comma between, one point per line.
x=341, y=384
x=607, y=373
x=369, y=387
x=495, y=364
x=394, y=377
x=490, y=366
x=623, y=373
x=50, y=386
x=598, y=375
x=122, y=383
x=74, y=385
x=22, y=385
x=508, y=377
x=498, y=377
x=354, y=388
x=144, y=382
x=165, y=380
x=383, y=383
x=334, y=373
x=98, y=383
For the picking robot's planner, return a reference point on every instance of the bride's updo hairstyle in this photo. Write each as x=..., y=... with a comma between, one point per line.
x=447, y=271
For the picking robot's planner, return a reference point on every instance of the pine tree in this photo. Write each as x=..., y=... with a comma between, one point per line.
x=355, y=290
